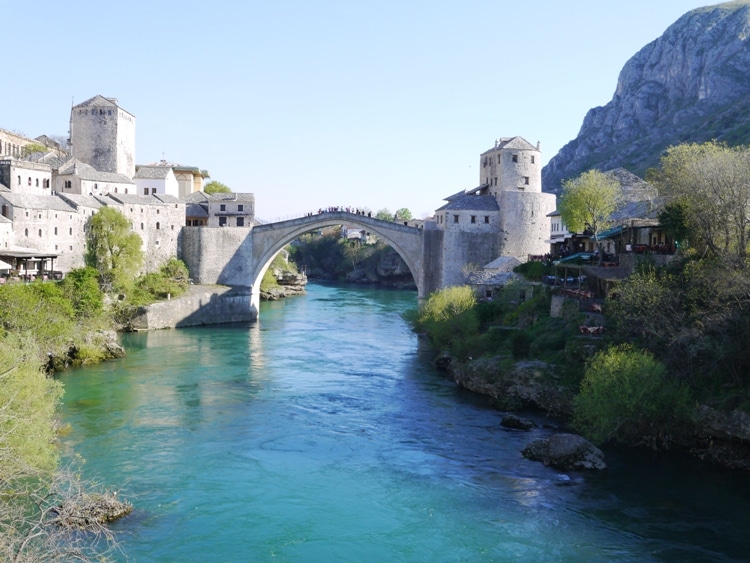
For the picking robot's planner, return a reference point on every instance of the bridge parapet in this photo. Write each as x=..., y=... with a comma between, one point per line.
x=335, y=218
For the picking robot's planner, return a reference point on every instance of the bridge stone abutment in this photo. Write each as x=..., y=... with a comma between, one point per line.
x=239, y=257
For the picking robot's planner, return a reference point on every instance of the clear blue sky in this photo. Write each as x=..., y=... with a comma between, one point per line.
x=309, y=104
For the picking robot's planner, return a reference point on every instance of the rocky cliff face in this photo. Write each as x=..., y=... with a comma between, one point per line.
x=690, y=85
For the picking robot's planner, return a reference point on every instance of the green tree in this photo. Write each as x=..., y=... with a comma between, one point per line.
x=710, y=182
x=449, y=317
x=31, y=148
x=113, y=249
x=81, y=288
x=215, y=187
x=384, y=215
x=587, y=204
x=627, y=396
x=674, y=219
x=403, y=214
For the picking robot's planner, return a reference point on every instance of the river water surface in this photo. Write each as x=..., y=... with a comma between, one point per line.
x=323, y=433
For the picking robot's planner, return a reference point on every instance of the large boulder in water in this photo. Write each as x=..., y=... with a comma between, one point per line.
x=566, y=452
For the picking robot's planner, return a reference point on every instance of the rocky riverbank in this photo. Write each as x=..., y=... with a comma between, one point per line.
x=718, y=437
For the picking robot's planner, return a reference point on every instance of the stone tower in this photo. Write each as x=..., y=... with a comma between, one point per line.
x=102, y=135
x=511, y=172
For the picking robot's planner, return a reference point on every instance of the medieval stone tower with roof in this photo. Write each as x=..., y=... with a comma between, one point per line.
x=102, y=135
x=506, y=215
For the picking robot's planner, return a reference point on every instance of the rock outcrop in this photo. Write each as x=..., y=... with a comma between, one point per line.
x=566, y=452
x=690, y=85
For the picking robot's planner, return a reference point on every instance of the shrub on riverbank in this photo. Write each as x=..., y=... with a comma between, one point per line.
x=626, y=395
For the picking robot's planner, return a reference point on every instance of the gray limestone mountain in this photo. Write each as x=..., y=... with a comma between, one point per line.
x=692, y=84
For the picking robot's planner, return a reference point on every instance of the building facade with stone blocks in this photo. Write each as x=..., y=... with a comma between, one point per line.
x=76, y=177
x=221, y=209
x=12, y=144
x=508, y=205
x=47, y=224
x=153, y=180
x=102, y=135
x=26, y=177
x=7, y=240
x=157, y=219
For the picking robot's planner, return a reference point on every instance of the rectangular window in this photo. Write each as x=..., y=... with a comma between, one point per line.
x=222, y=221
x=222, y=207
x=473, y=218
x=498, y=159
x=240, y=221
x=515, y=158
x=487, y=219
x=153, y=190
x=526, y=180
x=145, y=191
x=240, y=207
x=455, y=218
x=532, y=159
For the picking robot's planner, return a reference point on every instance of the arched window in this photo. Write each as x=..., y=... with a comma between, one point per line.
x=37, y=182
x=19, y=180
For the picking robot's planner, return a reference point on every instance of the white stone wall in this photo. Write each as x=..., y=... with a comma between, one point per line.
x=511, y=169
x=472, y=221
x=162, y=186
x=158, y=224
x=25, y=177
x=103, y=136
x=525, y=225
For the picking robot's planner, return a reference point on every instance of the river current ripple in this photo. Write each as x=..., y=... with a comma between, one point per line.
x=323, y=433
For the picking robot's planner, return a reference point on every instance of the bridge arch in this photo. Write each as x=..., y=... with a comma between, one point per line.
x=269, y=239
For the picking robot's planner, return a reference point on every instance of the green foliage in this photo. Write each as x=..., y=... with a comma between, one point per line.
x=627, y=396
x=448, y=317
x=534, y=270
x=520, y=345
x=28, y=403
x=279, y=263
x=31, y=148
x=170, y=281
x=588, y=202
x=41, y=311
x=403, y=214
x=81, y=288
x=384, y=215
x=674, y=219
x=113, y=249
x=214, y=187
x=708, y=182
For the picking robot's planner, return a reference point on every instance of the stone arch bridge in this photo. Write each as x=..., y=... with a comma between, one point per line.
x=239, y=257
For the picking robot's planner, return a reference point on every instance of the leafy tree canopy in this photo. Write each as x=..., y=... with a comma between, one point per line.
x=709, y=183
x=403, y=214
x=384, y=215
x=215, y=187
x=588, y=201
x=113, y=249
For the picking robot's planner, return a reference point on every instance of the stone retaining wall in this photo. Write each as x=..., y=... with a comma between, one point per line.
x=201, y=305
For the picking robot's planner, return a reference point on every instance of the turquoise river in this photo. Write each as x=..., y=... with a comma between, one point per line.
x=322, y=432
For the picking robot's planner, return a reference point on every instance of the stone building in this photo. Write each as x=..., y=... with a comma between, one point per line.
x=221, y=209
x=26, y=177
x=102, y=135
x=76, y=177
x=157, y=219
x=152, y=180
x=506, y=215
